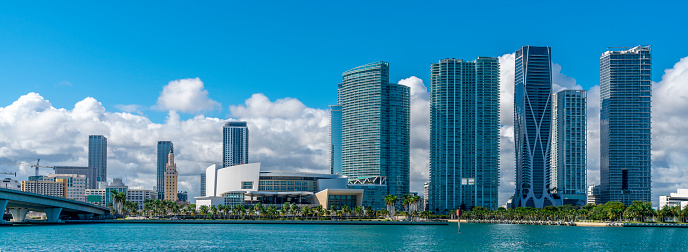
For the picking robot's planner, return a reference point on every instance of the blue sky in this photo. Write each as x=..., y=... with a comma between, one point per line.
x=124, y=53
x=277, y=65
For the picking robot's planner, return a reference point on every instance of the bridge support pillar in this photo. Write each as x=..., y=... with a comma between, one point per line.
x=18, y=214
x=53, y=214
x=3, y=205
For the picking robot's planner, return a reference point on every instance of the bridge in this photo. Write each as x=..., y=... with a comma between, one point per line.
x=19, y=203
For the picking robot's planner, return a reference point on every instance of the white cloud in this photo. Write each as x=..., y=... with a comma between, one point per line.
x=420, y=132
x=186, y=96
x=285, y=134
x=670, y=131
x=30, y=128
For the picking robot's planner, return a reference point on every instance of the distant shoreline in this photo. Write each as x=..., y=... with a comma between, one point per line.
x=574, y=224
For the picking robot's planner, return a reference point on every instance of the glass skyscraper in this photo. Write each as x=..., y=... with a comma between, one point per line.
x=625, y=125
x=97, y=156
x=569, y=167
x=235, y=144
x=375, y=129
x=336, y=139
x=464, y=134
x=533, y=127
x=164, y=148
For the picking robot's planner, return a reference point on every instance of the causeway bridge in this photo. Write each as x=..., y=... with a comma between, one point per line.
x=19, y=203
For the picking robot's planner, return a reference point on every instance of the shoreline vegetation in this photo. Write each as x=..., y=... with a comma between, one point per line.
x=610, y=214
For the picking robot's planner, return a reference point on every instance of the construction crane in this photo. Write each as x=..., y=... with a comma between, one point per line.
x=35, y=166
x=9, y=173
x=209, y=162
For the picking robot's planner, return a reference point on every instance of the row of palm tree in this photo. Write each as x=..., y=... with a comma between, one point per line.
x=410, y=203
x=610, y=211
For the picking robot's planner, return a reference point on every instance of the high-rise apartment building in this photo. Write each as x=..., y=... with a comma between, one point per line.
x=569, y=143
x=335, y=139
x=171, y=176
x=533, y=127
x=464, y=134
x=375, y=130
x=235, y=144
x=97, y=156
x=164, y=148
x=625, y=125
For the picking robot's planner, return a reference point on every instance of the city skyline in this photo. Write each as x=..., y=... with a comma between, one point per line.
x=137, y=84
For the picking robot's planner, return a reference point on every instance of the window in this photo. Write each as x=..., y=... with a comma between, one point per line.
x=247, y=185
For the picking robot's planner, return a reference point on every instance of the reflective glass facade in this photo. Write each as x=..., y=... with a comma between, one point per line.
x=235, y=144
x=464, y=134
x=625, y=125
x=569, y=143
x=336, y=139
x=375, y=127
x=164, y=148
x=97, y=156
x=533, y=127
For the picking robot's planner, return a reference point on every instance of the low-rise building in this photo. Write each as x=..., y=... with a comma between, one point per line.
x=247, y=184
x=103, y=195
x=680, y=198
x=594, y=195
x=49, y=188
x=9, y=183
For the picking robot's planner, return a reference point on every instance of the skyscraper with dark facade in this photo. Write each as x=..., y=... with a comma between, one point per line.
x=97, y=156
x=464, y=134
x=235, y=144
x=625, y=125
x=164, y=148
x=533, y=127
x=569, y=146
x=375, y=131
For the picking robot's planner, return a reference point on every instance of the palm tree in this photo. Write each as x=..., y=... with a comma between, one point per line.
x=358, y=210
x=118, y=200
x=213, y=210
x=204, y=210
x=390, y=200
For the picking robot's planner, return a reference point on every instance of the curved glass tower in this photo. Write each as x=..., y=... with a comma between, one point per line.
x=375, y=128
x=533, y=127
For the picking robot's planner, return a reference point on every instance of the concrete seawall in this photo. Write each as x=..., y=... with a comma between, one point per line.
x=288, y=222
x=577, y=223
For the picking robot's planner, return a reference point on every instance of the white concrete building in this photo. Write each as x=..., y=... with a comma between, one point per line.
x=247, y=184
x=680, y=198
x=9, y=183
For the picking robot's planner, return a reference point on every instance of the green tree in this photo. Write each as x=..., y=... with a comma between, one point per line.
x=390, y=201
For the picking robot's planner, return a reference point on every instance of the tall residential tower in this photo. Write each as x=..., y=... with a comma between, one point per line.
x=569, y=129
x=97, y=156
x=464, y=134
x=533, y=127
x=164, y=148
x=235, y=144
x=375, y=131
x=625, y=125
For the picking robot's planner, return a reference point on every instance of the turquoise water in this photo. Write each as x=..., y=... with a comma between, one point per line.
x=261, y=237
